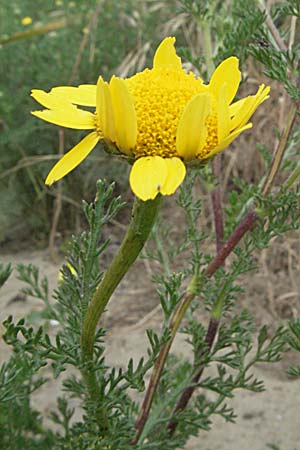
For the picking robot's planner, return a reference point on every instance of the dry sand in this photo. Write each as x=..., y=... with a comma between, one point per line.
x=268, y=418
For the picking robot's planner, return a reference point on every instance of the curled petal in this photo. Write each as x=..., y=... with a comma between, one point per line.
x=165, y=55
x=73, y=158
x=226, y=72
x=223, y=117
x=147, y=176
x=176, y=174
x=151, y=175
x=105, y=110
x=192, y=131
x=243, y=109
x=228, y=140
x=124, y=115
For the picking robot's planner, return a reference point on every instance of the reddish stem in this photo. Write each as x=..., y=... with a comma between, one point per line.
x=188, y=392
x=245, y=225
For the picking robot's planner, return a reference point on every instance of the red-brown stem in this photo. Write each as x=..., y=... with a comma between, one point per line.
x=188, y=392
x=216, y=201
x=242, y=228
x=217, y=262
x=245, y=225
x=174, y=323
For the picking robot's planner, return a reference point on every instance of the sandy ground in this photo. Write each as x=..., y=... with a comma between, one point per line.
x=271, y=418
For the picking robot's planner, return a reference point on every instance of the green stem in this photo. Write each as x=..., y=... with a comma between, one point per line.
x=207, y=47
x=143, y=218
x=174, y=323
x=279, y=153
x=205, y=25
x=291, y=180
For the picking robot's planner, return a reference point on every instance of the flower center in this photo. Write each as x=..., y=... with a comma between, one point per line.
x=212, y=137
x=160, y=96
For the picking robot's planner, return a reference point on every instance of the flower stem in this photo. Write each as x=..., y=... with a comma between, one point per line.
x=242, y=228
x=291, y=180
x=187, y=393
x=245, y=225
x=174, y=323
x=143, y=218
x=208, y=52
x=279, y=152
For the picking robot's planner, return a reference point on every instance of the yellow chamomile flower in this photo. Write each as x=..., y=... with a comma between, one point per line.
x=26, y=21
x=161, y=118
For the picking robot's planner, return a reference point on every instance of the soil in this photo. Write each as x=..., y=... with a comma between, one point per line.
x=266, y=420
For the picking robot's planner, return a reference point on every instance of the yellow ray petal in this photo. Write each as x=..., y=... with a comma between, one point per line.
x=147, y=176
x=228, y=140
x=84, y=95
x=176, y=174
x=105, y=111
x=192, y=131
x=235, y=107
x=124, y=115
x=73, y=158
x=226, y=72
x=69, y=118
x=165, y=55
x=248, y=107
x=50, y=100
x=223, y=118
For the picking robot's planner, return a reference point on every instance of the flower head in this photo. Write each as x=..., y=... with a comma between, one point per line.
x=161, y=117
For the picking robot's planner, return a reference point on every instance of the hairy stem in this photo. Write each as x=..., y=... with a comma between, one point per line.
x=244, y=226
x=143, y=218
x=272, y=27
x=279, y=152
x=174, y=322
x=187, y=393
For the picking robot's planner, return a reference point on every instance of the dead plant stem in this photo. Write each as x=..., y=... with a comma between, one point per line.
x=279, y=152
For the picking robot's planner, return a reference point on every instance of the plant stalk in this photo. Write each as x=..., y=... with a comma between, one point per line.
x=143, y=218
x=279, y=152
x=174, y=323
x=187, y=393
x=244, y=226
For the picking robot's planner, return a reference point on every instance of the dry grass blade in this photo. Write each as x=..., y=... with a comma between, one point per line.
x=44, y=29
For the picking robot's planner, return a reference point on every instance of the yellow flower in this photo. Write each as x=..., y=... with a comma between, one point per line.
x=161, y=118
x=26, y=20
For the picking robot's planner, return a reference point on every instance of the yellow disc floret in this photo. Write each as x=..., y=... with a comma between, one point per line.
x=212, y=137
x=160, y=96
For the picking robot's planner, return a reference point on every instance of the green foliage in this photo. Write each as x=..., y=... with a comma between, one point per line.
x=230, y=360
x=5, y=272
x=223, y=340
